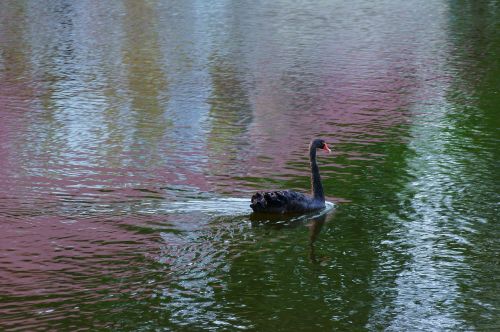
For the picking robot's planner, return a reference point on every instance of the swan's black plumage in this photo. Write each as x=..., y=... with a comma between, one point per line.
x=287, y=201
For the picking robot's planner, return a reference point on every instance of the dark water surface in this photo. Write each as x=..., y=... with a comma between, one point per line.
x=132, y=134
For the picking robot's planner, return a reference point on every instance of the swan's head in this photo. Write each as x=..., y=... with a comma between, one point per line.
x=320, y=144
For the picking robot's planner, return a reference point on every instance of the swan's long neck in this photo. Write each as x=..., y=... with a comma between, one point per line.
x=317, y=187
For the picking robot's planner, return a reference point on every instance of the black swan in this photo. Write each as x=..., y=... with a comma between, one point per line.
x=287, y=201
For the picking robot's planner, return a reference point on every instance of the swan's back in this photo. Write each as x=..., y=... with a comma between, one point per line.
x=285, y=201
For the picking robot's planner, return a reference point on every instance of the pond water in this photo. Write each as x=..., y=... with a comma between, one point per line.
x=133, y=134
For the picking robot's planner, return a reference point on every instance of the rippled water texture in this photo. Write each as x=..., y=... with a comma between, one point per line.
x=132, y=134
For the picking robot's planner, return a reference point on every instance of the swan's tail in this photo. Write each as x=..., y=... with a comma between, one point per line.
x=258, y=202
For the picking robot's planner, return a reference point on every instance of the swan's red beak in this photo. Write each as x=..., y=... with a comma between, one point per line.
x=326, y=148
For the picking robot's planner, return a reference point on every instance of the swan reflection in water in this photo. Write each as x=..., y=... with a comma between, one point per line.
x=313, y=221
x=315, y=227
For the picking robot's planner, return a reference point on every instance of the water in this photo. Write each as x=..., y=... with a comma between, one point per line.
x=132, y=135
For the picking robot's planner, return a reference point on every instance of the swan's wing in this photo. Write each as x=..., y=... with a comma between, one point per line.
x=279, y=201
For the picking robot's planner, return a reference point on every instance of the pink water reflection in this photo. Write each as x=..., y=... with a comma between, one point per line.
x=103, y=115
